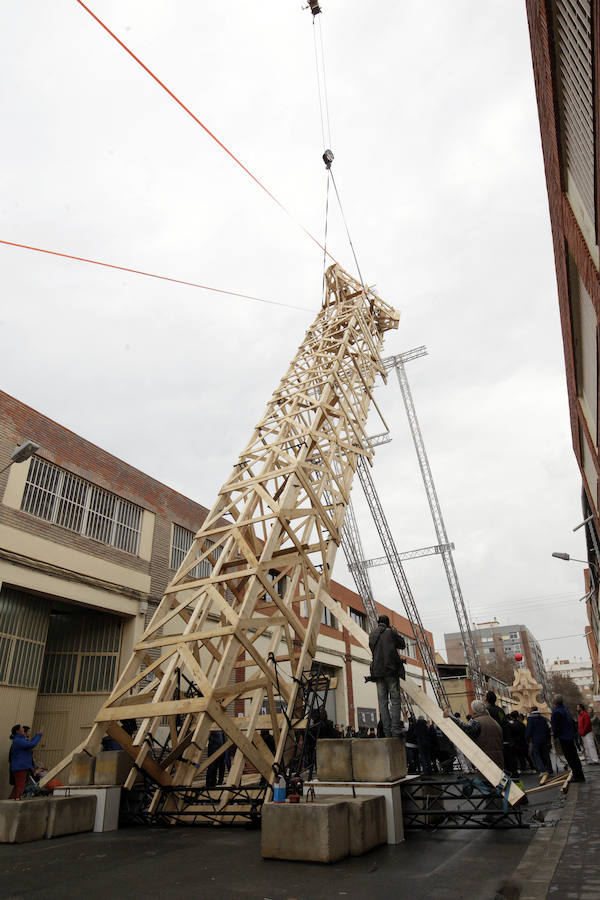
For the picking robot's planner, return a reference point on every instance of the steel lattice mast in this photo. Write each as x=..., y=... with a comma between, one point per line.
x=397, y=569
x=470, y=646
x=277, y=518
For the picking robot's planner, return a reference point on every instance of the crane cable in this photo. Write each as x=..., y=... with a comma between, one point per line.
x=202, y=125
x=328, y=154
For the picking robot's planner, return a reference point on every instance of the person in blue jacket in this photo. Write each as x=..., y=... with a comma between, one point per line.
x=20, y=757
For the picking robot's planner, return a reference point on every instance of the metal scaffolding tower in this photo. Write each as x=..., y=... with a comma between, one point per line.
x=470, y=646
x=395, y=564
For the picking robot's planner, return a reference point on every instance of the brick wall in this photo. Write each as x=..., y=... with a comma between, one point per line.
x=68, y=450
x=566, y=234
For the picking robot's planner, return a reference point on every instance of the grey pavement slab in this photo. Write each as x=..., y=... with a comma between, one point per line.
x=577, y=874
x=226, y=863
x=221, y=863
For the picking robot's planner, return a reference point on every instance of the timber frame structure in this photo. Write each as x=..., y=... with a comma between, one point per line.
x=277, y=518
x=270, y=540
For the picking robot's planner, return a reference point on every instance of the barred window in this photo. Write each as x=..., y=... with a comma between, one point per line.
x=279, y=582
x=23, y=628
x=82, y=653
x=64, y=499
x=328, y=619
x=411, y=647
x=358, y=617
x=181, y=541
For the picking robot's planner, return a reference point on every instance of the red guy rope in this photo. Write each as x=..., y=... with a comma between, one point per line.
x=204, y=287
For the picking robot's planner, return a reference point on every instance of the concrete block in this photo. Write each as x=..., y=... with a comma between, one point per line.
x=23, y=820
x=82, y=769
x=108, y=801
x=311, y=832
x=334, y=759
x=382, y=759
x=70, y=815
x=366, y=820
x=112, y=767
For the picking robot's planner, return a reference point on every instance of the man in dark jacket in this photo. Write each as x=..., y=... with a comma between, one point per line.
x=538, y=732
x=499, y=716
x=564, y=731
x=386, y=669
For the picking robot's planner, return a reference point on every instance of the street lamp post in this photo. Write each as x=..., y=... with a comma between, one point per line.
x=586, y=562
x=21, y=453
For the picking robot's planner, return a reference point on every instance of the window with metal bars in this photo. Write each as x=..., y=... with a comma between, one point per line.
x=82, y=653
x=358, y=617
x=64, y=499
x=574, y=58
x=327, y=618
x=279, y=582
x=181, y=541
x=411, y=647
x=23, y=628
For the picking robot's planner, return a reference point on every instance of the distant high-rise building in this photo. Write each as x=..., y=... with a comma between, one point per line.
x=495, y=641
x=578, y=670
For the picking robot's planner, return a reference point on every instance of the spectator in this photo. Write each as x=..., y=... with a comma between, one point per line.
x=508, y=750
x=538, y=732
x=215, y=774
x=584, y=726
x=423, y=744
x=563, y=731
x=490, y=738
x=412, y=751
x=519, y=741
x=20, y=757
x=595, y=725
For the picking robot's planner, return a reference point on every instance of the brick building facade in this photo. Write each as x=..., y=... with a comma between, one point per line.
x=565, y=49
x=88, y=545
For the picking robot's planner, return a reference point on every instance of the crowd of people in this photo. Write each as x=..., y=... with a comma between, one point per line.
x=517, y=744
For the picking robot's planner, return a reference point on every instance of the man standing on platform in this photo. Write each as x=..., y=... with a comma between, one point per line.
x=386, y=669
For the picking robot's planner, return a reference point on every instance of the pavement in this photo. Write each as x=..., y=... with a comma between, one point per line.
x=558, y=858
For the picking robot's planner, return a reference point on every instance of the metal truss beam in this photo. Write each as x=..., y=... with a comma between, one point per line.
x=470, y=646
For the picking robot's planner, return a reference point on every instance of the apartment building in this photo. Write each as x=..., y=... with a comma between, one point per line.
x=495, y=641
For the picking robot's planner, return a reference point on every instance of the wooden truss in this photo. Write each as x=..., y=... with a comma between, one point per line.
x=239, y=622
x=240, y=618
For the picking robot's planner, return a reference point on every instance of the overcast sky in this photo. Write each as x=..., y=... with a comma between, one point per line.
x=439, y=166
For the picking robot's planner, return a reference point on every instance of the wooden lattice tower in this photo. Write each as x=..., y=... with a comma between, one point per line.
x=277, y=521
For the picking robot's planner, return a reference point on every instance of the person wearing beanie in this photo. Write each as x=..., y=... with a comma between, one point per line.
x=386, y=669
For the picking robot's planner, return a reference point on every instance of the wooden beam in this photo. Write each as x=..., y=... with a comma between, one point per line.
x=162, y=708
x=149, y=765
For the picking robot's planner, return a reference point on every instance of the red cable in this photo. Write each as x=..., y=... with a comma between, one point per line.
x=204, y=287
x=202, y=125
